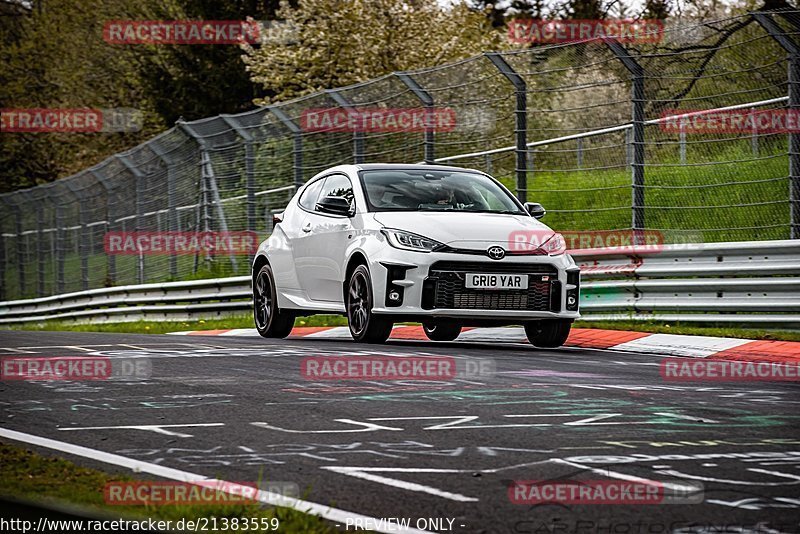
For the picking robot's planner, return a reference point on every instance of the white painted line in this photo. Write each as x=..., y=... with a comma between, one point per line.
x=337, y=332
x=677, y=345
x=365, y=473
x=158, y=429
x=630, y=478
x=332, y=514
x=242, y=332
x=493, y=335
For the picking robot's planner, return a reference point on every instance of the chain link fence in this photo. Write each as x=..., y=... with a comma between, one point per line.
x=584, y=128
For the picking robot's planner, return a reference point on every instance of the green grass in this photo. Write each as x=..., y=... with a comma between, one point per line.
x=157, y=327
x=600, y=196
x=32, y=477
x=163, y=327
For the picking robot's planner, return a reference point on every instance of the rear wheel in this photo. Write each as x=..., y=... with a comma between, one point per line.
x=364, y=325
x=441, y=331
x=270, y=321
x=548, y=333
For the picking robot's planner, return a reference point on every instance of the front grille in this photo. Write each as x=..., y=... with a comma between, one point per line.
x=493, y=267
x=444, y=288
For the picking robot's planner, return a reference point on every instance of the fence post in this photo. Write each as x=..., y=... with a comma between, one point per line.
x=41, y=252
x=793, y=75
x=83, y=240
x=637, y=141
x=3, y=282
x=111, y=213
x=754, y=136
x=579, y=148
x=21, y=252
x=427, y=101
x=358, y=135
x=249, y=169
x=139, y=178
x=297, y=133
x=210, y=183
x=172, y=211
x=520, y=120
x=682, y=146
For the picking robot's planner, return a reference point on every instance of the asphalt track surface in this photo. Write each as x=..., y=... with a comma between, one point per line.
x=240, y=410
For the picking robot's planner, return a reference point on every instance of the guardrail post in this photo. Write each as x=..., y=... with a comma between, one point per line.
x=427, y=101
x=297, y=133
x=358, y=135
x=249, y=169
x=111, y=211
x=637, y=136
x=793, y=50
x=139, y=178
x=520, y=120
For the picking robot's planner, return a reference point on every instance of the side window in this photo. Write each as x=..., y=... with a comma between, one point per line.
x=337, y=185
x=309, y=197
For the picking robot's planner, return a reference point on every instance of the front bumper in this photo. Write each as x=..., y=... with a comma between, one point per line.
x=432, y=285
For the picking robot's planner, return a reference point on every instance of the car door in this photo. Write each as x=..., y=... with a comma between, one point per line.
x=299, y=234
x=327, y=243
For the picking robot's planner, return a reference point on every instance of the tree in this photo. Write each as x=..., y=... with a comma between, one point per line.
x=54, y=56
x=341, y=42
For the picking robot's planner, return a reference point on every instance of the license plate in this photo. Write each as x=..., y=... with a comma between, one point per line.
x=496, y=281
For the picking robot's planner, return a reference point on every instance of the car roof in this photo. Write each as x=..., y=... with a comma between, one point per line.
x=410, y=166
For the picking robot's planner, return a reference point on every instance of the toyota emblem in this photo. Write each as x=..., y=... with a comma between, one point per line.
x=496, y=253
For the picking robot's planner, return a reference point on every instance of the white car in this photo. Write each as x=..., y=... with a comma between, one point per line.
x=444, y=246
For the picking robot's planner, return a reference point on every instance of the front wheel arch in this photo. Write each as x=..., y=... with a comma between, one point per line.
x=355, y=260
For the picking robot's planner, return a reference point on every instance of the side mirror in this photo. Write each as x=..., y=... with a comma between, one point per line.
x=335, y=206
x=535, y=209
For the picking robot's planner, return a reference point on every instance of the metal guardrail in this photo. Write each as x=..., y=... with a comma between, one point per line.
x=746, y=282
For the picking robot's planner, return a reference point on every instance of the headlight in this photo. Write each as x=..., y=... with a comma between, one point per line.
x=408, y=241
x=555, y=245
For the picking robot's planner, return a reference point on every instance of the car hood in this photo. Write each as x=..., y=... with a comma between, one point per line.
x=467, y=230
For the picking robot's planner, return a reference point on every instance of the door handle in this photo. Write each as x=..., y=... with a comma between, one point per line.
x=307, y=227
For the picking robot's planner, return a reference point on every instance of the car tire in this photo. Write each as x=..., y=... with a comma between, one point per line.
x=365, y=326
x=270, y=321
x=548, y=333
x=441, y=331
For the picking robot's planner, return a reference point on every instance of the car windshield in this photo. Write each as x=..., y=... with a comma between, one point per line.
x=432, y=190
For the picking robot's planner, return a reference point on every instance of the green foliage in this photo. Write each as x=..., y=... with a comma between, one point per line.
x=341, y=42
